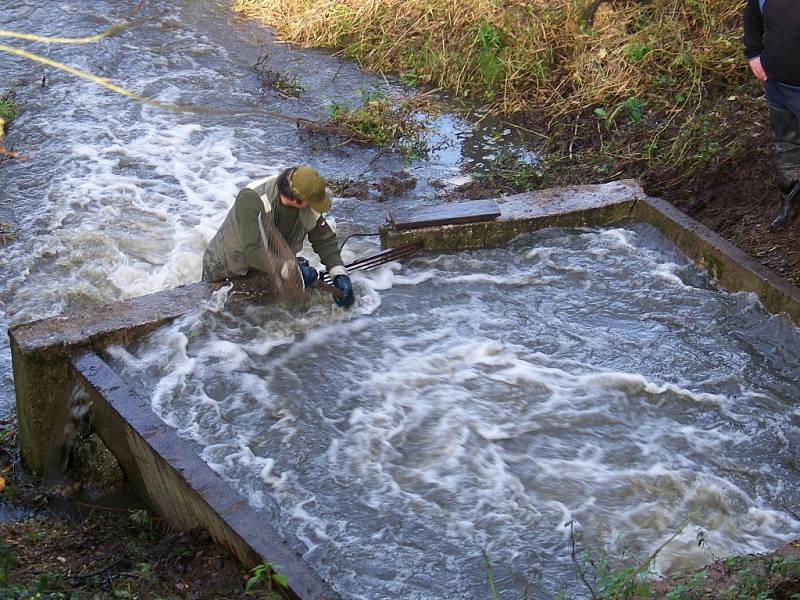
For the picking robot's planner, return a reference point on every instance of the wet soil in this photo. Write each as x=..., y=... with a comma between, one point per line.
x=119, y=555
x=77, y=540
x=738, y=200
x=387, y=187
x=396, y=184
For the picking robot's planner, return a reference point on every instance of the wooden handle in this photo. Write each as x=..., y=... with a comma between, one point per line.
x=326, y=287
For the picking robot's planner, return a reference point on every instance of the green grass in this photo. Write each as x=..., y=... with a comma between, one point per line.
x=385, y=121
x=629, y=96
x=8, y=107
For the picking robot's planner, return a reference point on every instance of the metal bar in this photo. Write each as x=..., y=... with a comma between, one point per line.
x=370, y=262
x=383, y=257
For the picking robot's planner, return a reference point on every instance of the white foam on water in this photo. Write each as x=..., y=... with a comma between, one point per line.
x=471, y=401
x=447, y=415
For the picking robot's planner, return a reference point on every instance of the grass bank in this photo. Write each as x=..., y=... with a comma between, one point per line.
x=641, y=74
x=8, y=112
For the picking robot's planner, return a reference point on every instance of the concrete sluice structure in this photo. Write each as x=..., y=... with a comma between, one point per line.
x=57, y=364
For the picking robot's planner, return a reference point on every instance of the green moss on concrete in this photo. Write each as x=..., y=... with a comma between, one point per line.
x=713, y=265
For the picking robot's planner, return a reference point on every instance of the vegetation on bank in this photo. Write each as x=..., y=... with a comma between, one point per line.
x=757, y=577
x=8, y=112
x=520, y=54
x=648, y=89
x=8, y=109
x=68, y=544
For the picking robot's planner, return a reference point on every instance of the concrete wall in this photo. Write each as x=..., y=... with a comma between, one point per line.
x=579, y=206
x=733, y=270
x=172, y=478
x=600, y=205
x=40, y=352
x=53, y=357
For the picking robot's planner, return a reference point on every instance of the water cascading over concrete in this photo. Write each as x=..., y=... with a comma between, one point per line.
x=479, y=401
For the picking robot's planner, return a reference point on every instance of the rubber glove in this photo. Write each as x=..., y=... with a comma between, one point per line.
x=344, y=285
x=309, y=273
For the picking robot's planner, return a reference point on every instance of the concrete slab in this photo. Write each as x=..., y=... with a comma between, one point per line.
x=119, y=322
x=449, y=213
x=578, y=206
x=40, y=352
x=169, y=473
x=733, y=270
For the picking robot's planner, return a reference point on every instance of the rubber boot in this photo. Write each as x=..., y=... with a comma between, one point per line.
x=786, y=136
x=790, y=207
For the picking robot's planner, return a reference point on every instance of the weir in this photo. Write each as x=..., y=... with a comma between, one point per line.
x=53, y=356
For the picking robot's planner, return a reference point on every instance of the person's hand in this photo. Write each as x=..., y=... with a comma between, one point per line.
x=344, y=285
x=757, y=68
x=308, y=272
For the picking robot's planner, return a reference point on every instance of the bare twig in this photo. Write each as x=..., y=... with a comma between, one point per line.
x=578, y=567
x=653, y=555
x=790, y=511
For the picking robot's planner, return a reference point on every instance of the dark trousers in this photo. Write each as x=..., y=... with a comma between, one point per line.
x=784, y=109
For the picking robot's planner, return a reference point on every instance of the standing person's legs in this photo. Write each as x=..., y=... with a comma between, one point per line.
x=784, y=109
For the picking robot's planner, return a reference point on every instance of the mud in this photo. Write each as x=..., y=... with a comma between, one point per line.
x=738, y=200
x=6, y=233
x=351, y=188
x=332, y=134
x=396, y=184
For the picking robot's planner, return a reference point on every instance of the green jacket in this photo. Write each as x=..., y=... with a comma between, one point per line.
x=237, y=246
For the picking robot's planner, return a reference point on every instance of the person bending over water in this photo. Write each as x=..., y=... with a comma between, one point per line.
x=294, y=202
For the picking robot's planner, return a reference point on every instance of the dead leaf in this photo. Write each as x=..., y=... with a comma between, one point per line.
x=11, y=154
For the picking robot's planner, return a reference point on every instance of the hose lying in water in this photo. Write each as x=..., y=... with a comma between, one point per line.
x=103, y=81
x=116, y=28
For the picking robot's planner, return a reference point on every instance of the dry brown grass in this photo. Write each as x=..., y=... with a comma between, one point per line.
x=520, y=54
x=653, y=88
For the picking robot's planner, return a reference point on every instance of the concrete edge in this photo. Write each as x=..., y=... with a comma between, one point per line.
x=493, y=233
x=733, y=269
x=127, y=320
x=168, y=472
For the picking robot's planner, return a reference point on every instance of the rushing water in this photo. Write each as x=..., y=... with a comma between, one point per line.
x=478, y=402
x=474, y=402
x=119, y=198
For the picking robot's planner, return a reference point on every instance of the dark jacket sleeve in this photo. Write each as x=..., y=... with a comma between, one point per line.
x=753, y=29
x=248, y=209
x=323, y=241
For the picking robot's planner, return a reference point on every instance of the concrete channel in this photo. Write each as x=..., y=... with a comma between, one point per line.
x=55, y=358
